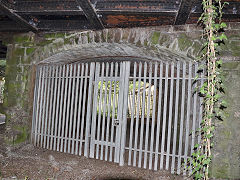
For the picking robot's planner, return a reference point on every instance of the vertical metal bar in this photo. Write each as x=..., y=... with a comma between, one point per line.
x=182, y=117
x=64, y=110
x=104, y=111
x=188, y=114
x=148, y=114
x=100, y=110
x=109, y=111
x=83, y=109
x=170, y=116
x=34, y=105
x=194, y=112
x=125, y=108
x=164, y=115
x=132, y=113
x=37, y=97
x=158, y=116
x=153, y=115
x=68, y=107
x=175, y=119
x=79, y=109
x=119, y=113
x=75, y=127
x=51, y=120
x=49, y=73
x=59, y=117
x=137, y=115
x=89, y=109
x=38, y=127
x=113, y=111
x=55, y=108
x=41, y=106
x=71, y=107
x=143, y=116
x=94, y=116
x=44, y=105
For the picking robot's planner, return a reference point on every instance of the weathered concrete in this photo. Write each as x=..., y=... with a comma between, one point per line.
x=226, y=156
x=169, y=43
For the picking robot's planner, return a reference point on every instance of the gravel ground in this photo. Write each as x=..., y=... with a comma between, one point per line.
x=29, y=162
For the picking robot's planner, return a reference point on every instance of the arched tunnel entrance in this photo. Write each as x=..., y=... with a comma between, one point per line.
x=140, y=112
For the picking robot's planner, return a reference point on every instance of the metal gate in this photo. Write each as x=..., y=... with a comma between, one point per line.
x=145, y=114
x=109, y=110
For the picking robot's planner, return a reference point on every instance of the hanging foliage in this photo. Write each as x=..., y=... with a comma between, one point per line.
x=212, y=89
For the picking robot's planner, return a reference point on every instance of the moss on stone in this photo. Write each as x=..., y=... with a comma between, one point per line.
x=59, y=35
x=44, y=43
x=164, y=39
x=30, y=50
x=22, y=135
x=219, y=171
x=21, y=38
x=155, y=37
x=197, y=46
x=145, y=42
x=110, y=36
x=49, y=35
x=19, y=51
x=231, y=65
x=184, y=42
x=125, y=34
x=67, y=41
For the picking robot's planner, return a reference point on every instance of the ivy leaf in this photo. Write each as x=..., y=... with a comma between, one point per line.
x=223, y=25
x=223, y=37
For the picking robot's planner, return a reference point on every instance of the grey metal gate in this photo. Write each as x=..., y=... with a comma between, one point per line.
x=143, y=113
x=110, y=94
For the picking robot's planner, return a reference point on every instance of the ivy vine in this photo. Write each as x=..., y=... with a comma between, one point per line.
x=212, y=89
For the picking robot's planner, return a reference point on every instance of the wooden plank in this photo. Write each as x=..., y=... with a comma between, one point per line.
x=184, y=12
x=90, y=13
x=15, y=17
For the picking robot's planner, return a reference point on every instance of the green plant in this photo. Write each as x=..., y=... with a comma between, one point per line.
x=212, y=89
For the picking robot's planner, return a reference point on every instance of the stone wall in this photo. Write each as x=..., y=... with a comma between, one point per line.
x=176, y=43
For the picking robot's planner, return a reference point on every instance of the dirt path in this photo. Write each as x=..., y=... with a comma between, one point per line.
x=34, y=163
